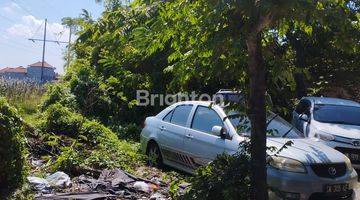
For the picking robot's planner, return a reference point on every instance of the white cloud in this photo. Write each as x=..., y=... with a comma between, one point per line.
x=30, y=26
x=10, y=8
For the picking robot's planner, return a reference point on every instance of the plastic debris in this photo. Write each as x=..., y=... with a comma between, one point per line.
x=59, y=180
x=142, y=186
x=110, y=185
x=115, y=177
x=157, y=196
x=39, y=184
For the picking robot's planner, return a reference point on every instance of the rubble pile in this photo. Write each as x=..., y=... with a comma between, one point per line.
x=111, y=184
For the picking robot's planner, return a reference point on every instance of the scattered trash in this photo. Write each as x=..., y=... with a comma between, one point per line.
x=39, y=184
x=78, y=196
x=36, y=162
x=59, y=180
x=142, y=186
x=111, y=184
x=115, y=177
x=56, y=180
x=157, y=196
x=184, y=185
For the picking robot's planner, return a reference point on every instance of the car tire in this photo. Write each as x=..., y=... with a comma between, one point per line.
x=154, y=157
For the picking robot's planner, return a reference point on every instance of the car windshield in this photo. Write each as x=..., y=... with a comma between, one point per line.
x=337, y=114
x=276, y=126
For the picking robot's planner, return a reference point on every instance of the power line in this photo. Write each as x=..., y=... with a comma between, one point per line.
x=8, y=19
x=44, y=41
x=16, y=46
x=23, y=8
x=33, y=34
x=54, y=7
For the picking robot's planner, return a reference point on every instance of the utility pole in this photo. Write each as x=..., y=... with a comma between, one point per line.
x=43, y=54
x=44, y=40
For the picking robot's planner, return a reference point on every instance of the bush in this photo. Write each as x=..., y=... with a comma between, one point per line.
x=98, y=147
x=58, y=93
x=227, y=177
x=13, y=167
x=128, y=132
x=60, y=120
x=94, y=132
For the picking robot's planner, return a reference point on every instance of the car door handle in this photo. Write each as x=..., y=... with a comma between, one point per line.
x=162, y=128
x=189, y=136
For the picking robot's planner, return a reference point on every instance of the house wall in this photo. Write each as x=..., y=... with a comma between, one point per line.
x=35, y=73
x=13, y=75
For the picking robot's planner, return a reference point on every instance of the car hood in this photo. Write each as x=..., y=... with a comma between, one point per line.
x=307, y=151
x=342, y=130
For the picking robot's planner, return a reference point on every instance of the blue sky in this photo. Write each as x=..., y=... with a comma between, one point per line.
x=23, y=19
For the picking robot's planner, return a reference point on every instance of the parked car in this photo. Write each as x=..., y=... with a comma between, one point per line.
x=335, y=121
x=190, y=134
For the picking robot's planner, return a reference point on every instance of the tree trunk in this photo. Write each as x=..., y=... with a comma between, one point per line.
x=257, y=115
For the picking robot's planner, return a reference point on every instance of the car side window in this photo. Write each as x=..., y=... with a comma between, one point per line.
x=307, y=107
x=205, y=118
x=168, y=116
x=303, y=107
x=180, y=115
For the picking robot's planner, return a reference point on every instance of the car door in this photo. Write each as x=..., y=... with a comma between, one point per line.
x=200, y=144
x=302, y=108
x=172, y=133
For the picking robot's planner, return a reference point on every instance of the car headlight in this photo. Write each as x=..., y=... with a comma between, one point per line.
x=287, y=164
x=348, y=164
x=324, y=136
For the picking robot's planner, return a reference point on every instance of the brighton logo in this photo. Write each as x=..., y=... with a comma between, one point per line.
x=145, y=98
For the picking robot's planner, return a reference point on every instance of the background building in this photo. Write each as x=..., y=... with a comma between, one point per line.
x=14, y=73
x=34, y=72
x=31, y=73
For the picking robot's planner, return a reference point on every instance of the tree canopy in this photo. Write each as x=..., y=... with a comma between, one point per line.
x=287, y=48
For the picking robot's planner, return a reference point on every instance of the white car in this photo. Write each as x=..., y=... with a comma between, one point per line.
x=190, y=134
x=335, y=121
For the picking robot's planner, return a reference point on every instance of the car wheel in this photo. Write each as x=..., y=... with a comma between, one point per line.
x=154, y=155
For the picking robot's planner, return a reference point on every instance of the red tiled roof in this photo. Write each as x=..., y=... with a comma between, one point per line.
x=39, y=64
x=19, y=69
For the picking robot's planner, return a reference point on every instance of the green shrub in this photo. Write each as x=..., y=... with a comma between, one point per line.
x=93, y=132
x=128, y=132
x=58, y=93
x=98, y=147
x=60, y=120
x=13, y=167
x=227, y=177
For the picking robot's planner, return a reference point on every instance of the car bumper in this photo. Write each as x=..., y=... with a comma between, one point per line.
x=346, y=149
x=143, y=143
x=304, y=186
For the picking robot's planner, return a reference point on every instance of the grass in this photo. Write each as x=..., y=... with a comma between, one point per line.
x=24, y=96
x=111, y=152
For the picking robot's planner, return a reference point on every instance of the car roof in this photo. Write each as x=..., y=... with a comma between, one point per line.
x=203, y=103
x=332, y=101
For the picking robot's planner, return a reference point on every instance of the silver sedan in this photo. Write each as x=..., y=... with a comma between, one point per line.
x=190, y=134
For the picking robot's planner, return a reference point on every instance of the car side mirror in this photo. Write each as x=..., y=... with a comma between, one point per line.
x=304, y=117
x=219, y=131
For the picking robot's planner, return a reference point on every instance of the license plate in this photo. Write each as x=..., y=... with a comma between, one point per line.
x=336, y=188
x=353, y=156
